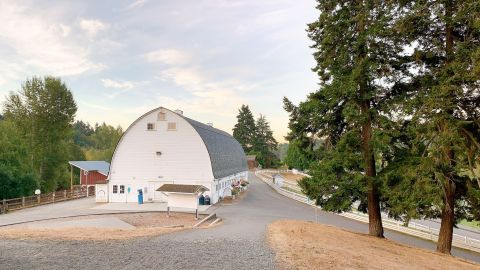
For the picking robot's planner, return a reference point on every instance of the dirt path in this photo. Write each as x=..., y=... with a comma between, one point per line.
x=306, y=245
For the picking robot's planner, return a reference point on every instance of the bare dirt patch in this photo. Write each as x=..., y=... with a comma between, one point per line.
x=306, y=245
x=292, y=177
x=83, y=234
x=147, y=224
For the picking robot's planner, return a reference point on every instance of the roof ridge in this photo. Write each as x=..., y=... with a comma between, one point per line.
x=209, y=128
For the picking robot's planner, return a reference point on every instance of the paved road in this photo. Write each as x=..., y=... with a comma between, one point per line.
x=237, y=244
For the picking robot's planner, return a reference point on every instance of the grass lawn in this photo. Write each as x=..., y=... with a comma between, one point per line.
x=473, y=224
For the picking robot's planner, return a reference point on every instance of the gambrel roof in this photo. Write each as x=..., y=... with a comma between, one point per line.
x=226, y=153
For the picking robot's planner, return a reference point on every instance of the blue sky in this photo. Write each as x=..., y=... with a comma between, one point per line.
x=123, y=58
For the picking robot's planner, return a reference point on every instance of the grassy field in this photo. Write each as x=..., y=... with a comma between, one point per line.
x=473, y=224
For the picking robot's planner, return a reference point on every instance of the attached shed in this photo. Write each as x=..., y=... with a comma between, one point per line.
x=90, y=171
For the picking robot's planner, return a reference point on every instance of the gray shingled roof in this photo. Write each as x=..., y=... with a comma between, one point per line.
x=226, y=154
x=94, y=165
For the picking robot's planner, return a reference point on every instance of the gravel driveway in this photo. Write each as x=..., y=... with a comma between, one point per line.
x=237, y=244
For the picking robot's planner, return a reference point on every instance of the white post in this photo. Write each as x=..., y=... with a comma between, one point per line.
x=86, y=183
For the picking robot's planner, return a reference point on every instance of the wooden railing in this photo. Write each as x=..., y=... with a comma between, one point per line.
x=7, y=205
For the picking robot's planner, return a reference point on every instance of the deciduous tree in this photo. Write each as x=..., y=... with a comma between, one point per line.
x=43, y=110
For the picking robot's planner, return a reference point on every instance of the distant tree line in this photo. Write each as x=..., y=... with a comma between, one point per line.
x=97, y=142
x=395, y=123
x=256, y=137
x=38, y=137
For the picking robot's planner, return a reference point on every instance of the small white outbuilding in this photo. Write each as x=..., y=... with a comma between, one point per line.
x=165, y=147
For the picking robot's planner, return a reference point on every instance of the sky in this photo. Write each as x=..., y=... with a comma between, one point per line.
x=123, y=58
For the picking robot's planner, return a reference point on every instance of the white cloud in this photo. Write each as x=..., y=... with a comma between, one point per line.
x=117, y=84
x=39, y=43
x=136, y=4
x=168, y=56
x=65, y=29
x=197, y=82
x=209, y=96
x=92, y=27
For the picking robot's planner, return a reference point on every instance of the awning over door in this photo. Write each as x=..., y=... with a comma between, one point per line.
x=179, y=188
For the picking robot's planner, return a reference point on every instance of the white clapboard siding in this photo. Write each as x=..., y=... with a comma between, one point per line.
x=135, y=164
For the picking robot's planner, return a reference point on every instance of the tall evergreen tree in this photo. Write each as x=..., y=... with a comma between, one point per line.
x=356, y=54
x=244, y=130
x=296, y=158
x=264, y=142
x=43, y=110
x=445, y=129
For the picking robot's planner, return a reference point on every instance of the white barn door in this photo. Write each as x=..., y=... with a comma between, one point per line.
x=119, y=193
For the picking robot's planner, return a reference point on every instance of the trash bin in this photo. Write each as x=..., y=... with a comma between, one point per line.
x=201, y=200
x=140, y=196
x=207, y=200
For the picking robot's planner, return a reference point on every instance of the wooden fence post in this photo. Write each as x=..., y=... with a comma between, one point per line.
x=4, y=206
x=23, y=201
x=53, y=197
x=38, y=198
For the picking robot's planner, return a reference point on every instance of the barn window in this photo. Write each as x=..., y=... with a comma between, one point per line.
x=150, y=126
x=161, y=116
x=172, y=126
x=122, y=189
x=115, y=189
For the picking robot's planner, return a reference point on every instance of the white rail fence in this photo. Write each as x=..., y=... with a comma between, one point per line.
x=415, y=229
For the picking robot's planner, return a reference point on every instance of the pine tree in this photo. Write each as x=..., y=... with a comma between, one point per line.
x=356, y=53
x=296, y=158
x=244, y=130
x=437, y=176
x=264, y=143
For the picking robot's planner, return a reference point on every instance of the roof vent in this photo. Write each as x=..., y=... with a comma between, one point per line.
x=210, y=124
x=179, y=111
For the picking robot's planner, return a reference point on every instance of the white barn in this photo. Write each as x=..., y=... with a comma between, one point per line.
x=165, y=147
